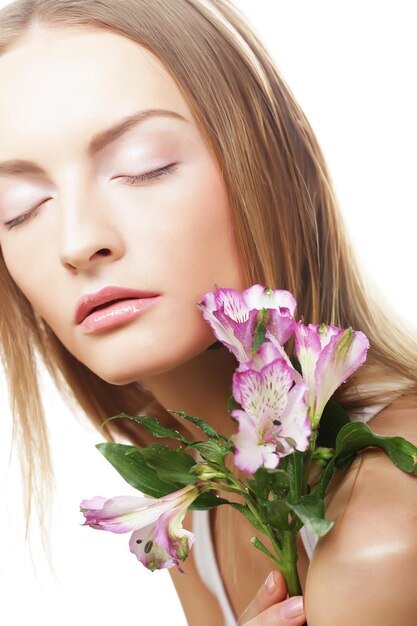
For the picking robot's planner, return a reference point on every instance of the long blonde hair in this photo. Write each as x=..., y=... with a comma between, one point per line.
x=289, y=228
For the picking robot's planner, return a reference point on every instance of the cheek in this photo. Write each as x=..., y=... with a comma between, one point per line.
x=199, y=246
x=25, y=271
x=32, y=270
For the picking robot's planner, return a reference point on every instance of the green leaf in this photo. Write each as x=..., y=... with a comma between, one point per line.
x=259, y=335
x=153, y=426
x=310, y=509
x=211, y=451
x=206, y=501
x=296, y=364
x=267, y=480
x=344, y=462
x=170, y=465
x=333, y=418
x=248, y=514
x=204, y=426
x=132, y=466
x=319, y=489
x=357, y=436
x=275, y=513
x=232, y=404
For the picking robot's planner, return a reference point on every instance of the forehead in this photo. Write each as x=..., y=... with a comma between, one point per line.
x=76, y=80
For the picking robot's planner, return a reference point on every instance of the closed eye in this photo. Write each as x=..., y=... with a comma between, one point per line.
x=130, y=180
x=25, y=216
x=168, y=169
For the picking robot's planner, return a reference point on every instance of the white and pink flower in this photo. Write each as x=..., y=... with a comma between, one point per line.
x=273, y=421
x=158, y=539
x=328, y=355
x=233, y=316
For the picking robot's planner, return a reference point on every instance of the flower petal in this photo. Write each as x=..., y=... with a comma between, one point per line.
x=95, y=503
x=170, y=535
x=233, y=316
x=237, y=337
x=224, y=310
x=295, y=420
x=259, y=297
x=263, y=394
x=281, y=324
x=122, y=514
x=308, y=350
x=296, y=375
x=344, y=353
x=142, y=543
x=249, y=454
x=233, y=304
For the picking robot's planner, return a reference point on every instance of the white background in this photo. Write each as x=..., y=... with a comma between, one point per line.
x=352, y=69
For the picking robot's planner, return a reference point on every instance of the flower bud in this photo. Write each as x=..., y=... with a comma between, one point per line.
x=323, y=455
x=204, y=471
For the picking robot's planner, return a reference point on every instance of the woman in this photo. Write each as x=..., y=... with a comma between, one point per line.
x=153, y=147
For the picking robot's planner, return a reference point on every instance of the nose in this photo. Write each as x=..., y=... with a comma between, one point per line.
x=87, y=237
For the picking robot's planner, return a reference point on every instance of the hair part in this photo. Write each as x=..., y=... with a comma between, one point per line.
x=289, y=228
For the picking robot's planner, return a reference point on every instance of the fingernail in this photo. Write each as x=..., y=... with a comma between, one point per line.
x=293, y=608
x=270, y=583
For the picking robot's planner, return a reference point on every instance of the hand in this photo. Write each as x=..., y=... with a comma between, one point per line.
x=270, y=605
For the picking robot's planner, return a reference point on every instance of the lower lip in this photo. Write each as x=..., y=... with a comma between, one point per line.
x=115, y=314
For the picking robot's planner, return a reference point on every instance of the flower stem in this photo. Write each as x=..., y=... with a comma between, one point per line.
x=267, y=529
x=287, y=552
x=307, y=460
x=255, y=541
x=289, y=543
x=220, y=486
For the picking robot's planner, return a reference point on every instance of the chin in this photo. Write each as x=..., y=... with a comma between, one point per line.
x=120, y=375
x=135, y=369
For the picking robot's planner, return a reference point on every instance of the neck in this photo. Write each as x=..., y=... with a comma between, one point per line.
x=200, y=387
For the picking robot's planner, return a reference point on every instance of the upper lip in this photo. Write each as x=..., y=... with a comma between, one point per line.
x=87, y=302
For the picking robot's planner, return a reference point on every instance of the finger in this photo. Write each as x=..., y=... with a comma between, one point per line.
x=273, y=590
x=287, y=613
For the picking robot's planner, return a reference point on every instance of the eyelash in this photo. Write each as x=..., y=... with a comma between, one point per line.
x=130, y=180
x=168, y=169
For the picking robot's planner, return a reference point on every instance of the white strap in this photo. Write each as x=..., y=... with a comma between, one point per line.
x=205, y=559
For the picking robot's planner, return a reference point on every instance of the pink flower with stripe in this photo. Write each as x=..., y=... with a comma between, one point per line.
x=158, y=539
x=328, y=355
x=233, y=316
x=273, y=421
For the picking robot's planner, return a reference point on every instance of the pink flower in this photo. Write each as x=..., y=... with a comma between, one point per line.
x=158, y=538
x=273, y=421
x=328, y=355
x=233, y=316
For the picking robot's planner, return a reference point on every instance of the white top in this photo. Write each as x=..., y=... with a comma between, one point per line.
x=206, y=563
x=203, y=547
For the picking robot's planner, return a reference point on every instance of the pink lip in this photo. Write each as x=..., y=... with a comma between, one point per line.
x=115, y=314
x=131, y=303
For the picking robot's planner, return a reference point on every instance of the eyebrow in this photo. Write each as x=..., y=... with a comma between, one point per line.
x=17, y=167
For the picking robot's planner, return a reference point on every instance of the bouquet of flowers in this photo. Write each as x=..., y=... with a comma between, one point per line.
x=287, y=425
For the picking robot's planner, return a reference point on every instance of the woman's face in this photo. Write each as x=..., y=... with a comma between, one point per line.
x=171, y=235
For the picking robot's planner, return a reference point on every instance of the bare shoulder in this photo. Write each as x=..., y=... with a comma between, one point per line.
x=367, y=563
x=398, y=418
